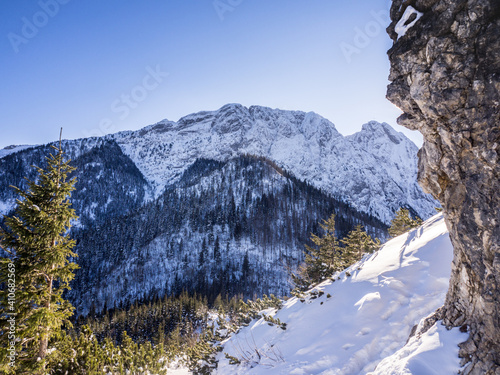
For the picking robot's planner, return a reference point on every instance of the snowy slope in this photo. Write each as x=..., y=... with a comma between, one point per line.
x=434, y=353
x=367, y=317
x=374, y=170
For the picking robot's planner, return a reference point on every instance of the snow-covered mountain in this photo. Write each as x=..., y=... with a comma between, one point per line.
x=374, y=170
x=359, y=322
x=12, y=149
x=159, y=206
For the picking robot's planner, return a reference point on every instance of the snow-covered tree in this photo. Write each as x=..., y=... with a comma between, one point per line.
x=321, y=260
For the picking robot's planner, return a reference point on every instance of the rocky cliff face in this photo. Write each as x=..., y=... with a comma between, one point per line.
x=445, y=76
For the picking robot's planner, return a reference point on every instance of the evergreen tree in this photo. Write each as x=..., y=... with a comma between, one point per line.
x=203, y=254
x=323, y=259
x=217, y=256
x=245, y=268
x=403, y=222
x=39, y=258
x=357, y=243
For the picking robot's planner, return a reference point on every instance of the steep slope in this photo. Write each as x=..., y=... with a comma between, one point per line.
x=374, y=170
x=353, y=323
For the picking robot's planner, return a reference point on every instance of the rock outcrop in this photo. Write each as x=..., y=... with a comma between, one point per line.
x=445, y=76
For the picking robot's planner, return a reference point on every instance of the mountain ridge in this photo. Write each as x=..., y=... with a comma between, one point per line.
x=305, y=143
x=378, y=165
x=251, y=183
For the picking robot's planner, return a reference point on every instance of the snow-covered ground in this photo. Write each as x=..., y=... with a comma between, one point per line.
x=361, y=319
x=434, y=353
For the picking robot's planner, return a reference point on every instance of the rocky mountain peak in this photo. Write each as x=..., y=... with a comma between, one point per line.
x=373, y=170
x=383, y=131
x=159, y=127
x=231, y=118
x=377, y=129
x=194, y=118
x=377, y=174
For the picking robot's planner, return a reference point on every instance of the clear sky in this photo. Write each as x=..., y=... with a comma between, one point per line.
x=96, y=67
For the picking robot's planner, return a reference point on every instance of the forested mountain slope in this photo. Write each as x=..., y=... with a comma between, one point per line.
x=224, y=228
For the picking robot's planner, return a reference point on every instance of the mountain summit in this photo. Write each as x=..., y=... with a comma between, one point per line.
x=374, y=170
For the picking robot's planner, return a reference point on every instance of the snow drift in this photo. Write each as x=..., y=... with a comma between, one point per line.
x=348, y=325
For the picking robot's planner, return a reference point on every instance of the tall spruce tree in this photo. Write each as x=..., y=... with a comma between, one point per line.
x=403, y=222
x=39, y=262
x=357, y=243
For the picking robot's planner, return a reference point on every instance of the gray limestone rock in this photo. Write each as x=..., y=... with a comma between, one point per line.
x=445, y=76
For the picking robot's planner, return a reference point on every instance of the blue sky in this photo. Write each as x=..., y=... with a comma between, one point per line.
x=96, y=67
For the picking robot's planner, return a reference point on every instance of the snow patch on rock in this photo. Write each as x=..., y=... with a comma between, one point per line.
x=403, y=25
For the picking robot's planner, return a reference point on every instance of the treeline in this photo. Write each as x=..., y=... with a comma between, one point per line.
x=151, y=335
